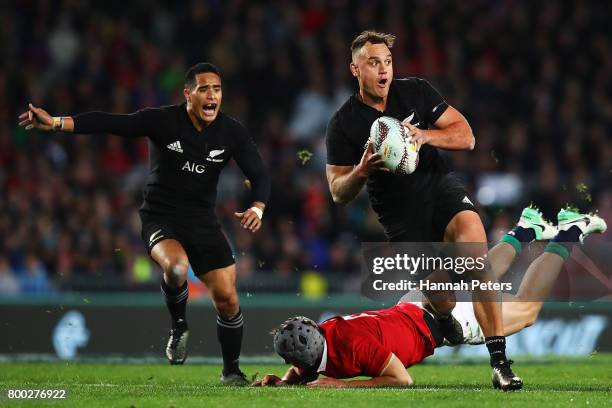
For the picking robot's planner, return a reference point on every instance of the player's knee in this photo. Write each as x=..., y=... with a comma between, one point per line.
x=175, y=268
x=529, y=322
x=466, y=227
x=471, y=234
x=226, y=303
x=531, y=314
x=528, y=312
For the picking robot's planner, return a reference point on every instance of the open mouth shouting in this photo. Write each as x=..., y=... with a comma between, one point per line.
x=382, y=82
x=209, y=110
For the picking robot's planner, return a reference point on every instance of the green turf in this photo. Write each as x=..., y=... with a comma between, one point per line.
x=549, y=382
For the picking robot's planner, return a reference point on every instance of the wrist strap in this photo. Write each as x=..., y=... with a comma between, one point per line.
x=58, y=123
x=257, y=211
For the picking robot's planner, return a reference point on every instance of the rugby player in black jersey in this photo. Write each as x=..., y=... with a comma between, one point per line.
x=189, y=145
x=430, y=205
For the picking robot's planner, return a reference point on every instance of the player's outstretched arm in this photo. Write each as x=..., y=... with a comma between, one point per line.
x=394, y=375
x=140, y=123
x=453, y=132
x=38, y=118
x=345, y=182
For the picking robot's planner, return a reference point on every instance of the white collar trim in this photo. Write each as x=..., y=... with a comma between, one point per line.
x=323, y=364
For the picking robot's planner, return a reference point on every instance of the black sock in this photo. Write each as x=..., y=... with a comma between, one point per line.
x=176, y=301
x=229, y=333
x=518, y=237
x=568, y=238
x=497, y=349
x=523, y=235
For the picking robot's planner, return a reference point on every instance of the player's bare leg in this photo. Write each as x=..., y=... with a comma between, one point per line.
x=501, y=258
x=171, y=257
x=505, y=252
x=518, y=313
x=466, y=227
x=521, y=310
x=222, y=286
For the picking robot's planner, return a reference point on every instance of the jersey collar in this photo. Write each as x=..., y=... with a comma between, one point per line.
x=323, y=364
x=364, y=107
x=213, y=124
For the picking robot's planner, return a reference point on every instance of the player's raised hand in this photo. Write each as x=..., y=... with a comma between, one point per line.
x=36, y=118
x=327, y=383
x=370, y=162
x=249, y=219
x=269, y=380
x=416, y=135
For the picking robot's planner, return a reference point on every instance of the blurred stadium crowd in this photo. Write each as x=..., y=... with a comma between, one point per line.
x=533, y=78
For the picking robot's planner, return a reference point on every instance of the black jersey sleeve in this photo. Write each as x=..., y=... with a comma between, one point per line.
x=435, y=105
x=144, y=122
x=248, y=159
x=340, y=151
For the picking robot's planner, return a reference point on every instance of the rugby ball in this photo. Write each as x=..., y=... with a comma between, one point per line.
x=389, y=138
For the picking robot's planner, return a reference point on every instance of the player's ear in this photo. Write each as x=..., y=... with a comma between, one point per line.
x=354, y=70
x=186, y=93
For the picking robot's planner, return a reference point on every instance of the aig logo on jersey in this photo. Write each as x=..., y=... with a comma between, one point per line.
x=193, y=167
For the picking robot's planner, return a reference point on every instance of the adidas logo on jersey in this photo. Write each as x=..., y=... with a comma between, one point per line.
x=176, y=146
x=466, y=200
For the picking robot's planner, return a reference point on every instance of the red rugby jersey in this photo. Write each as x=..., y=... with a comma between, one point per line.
x=361, y=344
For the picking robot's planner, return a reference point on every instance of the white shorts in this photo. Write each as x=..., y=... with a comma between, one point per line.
x=463, y=312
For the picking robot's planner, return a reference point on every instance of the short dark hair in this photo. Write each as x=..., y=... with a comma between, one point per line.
x=372, y=37
x=200, y=67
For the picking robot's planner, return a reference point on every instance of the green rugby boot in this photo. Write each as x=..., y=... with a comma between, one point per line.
x=532, y=218
x=587, y=223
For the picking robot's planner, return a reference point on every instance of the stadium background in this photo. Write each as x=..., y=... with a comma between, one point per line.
x=533, y=78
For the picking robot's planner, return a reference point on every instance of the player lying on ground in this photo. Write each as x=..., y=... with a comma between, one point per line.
x=189, y=145
x=382, y=344
x=521, y=310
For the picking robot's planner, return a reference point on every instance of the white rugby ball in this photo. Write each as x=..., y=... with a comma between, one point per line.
x=389, y=138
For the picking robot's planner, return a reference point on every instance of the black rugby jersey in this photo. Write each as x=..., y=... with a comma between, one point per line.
x=184, y=163
x=395, y=198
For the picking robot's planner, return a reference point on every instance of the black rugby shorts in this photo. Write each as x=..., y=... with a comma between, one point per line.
x=429, y=223
x=206, y=246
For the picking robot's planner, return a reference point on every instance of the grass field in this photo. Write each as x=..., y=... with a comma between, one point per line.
x=549, y=382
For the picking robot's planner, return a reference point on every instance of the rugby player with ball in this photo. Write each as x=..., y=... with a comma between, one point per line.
x=430, y=204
